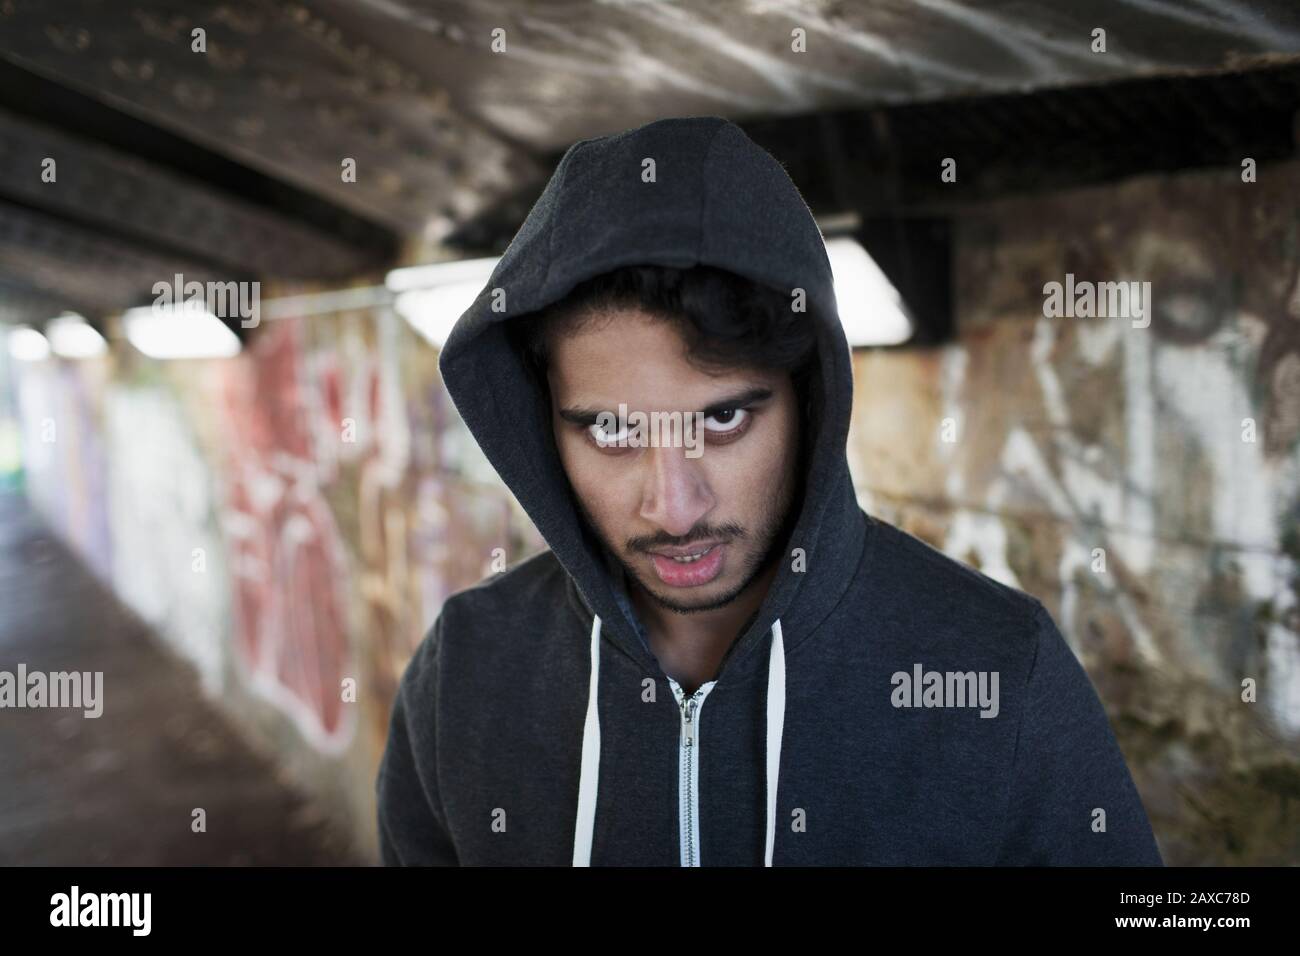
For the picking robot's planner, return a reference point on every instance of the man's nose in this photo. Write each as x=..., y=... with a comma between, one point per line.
x=676, y=494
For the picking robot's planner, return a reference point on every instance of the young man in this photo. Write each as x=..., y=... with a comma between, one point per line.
x=721, y=660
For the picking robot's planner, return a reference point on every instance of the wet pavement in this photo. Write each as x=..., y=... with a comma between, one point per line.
x=122, y=788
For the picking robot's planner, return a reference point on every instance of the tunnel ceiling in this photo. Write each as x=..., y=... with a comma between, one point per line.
x=228, y=162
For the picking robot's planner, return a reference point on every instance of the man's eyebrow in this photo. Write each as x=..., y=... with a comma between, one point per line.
x=587, y=417
x=749, y=396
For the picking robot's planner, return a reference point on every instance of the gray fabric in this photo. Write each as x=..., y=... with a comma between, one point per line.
x=487, y=726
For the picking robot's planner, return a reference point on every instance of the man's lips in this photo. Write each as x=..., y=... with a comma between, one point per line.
x=686, y=551
x=689, y=574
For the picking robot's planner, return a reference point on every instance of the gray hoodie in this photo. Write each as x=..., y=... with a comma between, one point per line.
x=887, y=705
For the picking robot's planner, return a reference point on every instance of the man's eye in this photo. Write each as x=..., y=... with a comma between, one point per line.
x=726, y=421
x=601, y=436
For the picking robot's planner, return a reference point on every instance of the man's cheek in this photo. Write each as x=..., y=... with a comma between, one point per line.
x=601, y=503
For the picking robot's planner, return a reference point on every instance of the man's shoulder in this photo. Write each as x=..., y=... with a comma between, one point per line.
x=517, y=590
x=486, y=619
x=927, y=589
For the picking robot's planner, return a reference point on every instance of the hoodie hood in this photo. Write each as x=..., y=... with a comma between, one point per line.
x=718, y=200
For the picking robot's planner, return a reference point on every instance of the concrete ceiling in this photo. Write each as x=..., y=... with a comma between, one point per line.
x=228, y=161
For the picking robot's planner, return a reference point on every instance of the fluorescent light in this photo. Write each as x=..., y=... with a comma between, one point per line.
x=433, y=312
x=72, y=337
x=475, y=271
x=183, y=331
x=431, y=298
x=28, y=345
x=870, y=307
x=839, y=223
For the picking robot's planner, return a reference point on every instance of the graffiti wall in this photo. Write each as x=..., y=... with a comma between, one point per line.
x=1143, y=480
x=289, y=521
x=62, y=442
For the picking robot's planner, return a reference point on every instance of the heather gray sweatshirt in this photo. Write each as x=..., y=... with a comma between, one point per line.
x=887, y=705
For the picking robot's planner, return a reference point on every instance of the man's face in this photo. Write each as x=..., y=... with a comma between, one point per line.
x=694, y=526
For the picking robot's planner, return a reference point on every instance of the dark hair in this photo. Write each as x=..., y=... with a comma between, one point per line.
x=727, y=322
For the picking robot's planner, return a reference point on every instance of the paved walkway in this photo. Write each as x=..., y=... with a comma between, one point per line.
x=120, y=789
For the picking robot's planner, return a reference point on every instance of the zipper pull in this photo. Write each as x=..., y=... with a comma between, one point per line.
x=688, y=712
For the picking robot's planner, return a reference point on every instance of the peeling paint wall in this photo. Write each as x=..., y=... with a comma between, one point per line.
x=1144, y=482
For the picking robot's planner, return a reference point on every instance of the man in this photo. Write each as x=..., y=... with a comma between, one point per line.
x=721, y=660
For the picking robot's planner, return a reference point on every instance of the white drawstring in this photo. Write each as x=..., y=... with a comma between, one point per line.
x=775, y=728
x=589, y=775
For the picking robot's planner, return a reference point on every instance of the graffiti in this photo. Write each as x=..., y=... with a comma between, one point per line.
x=288, y=569
x=163, y=509
x=286, y=519
x=1106, y=470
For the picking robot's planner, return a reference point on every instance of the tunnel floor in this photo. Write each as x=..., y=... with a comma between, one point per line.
x=120, y=789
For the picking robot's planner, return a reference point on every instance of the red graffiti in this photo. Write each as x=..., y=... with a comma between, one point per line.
x=288, y=569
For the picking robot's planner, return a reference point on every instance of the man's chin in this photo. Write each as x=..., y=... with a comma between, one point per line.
x=693, y=600
x=696, y=600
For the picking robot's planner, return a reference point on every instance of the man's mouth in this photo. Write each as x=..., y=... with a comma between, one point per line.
x=687, y=552
x=689, y=566
x=686, y=558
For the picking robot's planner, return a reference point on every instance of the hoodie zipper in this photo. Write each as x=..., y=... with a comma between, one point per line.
x=688, y=770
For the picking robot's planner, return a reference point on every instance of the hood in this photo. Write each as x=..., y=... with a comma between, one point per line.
x=719, y=200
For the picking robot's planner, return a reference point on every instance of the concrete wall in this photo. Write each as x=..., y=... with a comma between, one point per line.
x=1144, y=482
x=294, y=517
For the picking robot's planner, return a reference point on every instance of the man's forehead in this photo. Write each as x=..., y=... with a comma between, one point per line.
x=651, y=381
x=597, y=327
x=631, y=357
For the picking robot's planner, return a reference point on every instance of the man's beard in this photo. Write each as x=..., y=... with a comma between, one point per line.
x=775, y=527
